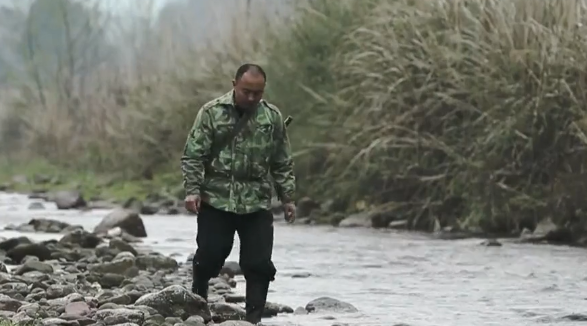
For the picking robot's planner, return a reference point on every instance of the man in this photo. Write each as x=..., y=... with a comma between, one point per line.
x=226, y=179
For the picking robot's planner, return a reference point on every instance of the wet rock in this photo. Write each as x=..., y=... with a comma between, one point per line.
x=41, y=225
x=548, y=231
x=120, y=245
x=68, y=199
x=327, y=304
x=376, y=218
x=273, y=309
x=356, y=220
x=128, y=220
x=156, y=261
x=305, y=206
x=101, y=204
x=9, y=304
x=82, y=238
x=234, y=298
x=120, y=316
x=576, y=317
x=34, y=266
x=491, y=243
x=176, y=301
x=398, y=225
x=32, y=249
x=77, y=308
x=231, y=268
x=111, y=284
x=11, y=243
x=301, y=275
x=119, y=265
x=36, y=206
x=300, y=311
x=236, y=323
x=227, y=311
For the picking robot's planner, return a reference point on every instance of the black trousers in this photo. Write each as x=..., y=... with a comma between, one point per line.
x=215, y=237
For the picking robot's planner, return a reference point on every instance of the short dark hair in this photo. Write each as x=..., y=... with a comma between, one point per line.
x=249, y=66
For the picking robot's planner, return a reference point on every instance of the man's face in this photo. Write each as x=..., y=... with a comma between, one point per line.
x=248, y=90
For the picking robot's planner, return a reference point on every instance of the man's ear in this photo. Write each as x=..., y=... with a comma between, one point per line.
x=233, y=83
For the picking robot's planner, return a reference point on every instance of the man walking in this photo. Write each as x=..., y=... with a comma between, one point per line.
x=237, y=141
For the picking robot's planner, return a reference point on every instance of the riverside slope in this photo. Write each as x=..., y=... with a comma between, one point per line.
x=392, y=278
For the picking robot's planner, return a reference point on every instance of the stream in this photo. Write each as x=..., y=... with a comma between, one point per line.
x=392, y=278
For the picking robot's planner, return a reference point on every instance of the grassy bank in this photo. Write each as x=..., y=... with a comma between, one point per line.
x=41, y=175
x=453, y=113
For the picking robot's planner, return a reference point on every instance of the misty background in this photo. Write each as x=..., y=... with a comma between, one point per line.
x=42, y=38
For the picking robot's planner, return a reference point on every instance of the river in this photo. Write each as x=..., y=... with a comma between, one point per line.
x=392, y=278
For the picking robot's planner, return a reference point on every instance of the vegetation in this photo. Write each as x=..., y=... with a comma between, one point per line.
x=451, y=112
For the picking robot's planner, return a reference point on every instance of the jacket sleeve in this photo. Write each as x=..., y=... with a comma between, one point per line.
x=196, y=152
x=282, y=163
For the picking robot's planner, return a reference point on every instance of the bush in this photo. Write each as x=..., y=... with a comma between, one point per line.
x=465, y=112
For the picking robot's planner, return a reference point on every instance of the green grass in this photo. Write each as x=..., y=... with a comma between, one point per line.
x=92, y=185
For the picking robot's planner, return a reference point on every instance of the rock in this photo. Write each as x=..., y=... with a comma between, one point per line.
x=120, y=316
x=101, y=204
x=156, y=261
x=326, y=304
x=42, y=225
x=273, y=309
x=33, y=249
x=71, y=282
x=548, y=231
x=11, y=243
x=231, y=268
x=9, y=304
x=176, y=301
x=34, y=266
x=79, y=308
x=81, y=238
x=236, y=323
x=305, y=206
x=398, y=225
x=48, y=225
x=121, y=245
x=300, y=311
x=356, y=220
x=68, y=199
x=128, y=220
x=119, y=265
x=227, y=311
x=36, y=206
x=376, y=218
x=491, y=243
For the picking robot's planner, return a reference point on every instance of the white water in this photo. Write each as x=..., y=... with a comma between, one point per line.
x=391, y=278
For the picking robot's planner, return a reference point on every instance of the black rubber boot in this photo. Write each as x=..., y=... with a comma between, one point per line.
x=256, y=297
x=199, y=283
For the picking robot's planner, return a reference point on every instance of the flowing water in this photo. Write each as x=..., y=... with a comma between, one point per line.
x=392, y=278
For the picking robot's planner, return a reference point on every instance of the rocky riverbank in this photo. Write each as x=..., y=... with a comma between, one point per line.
x=310, y=212
x=105, y=277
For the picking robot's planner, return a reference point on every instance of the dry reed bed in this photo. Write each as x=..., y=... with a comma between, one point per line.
x=446, y=112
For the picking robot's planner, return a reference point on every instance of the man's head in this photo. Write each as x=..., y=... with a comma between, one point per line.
x=249, y=85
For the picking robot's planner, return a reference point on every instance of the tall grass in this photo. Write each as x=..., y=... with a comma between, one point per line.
x=449, y=112
x=465, y=112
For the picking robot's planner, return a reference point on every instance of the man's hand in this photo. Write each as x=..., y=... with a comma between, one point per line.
x=192, y=203
x=289, y=212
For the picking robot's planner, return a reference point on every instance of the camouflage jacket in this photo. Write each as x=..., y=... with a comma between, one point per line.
x=238, y=179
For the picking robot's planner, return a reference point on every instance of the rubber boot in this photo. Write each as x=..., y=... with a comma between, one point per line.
x=199, y=283
x=256, y=297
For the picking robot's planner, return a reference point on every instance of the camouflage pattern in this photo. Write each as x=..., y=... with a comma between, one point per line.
x=238, y=179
